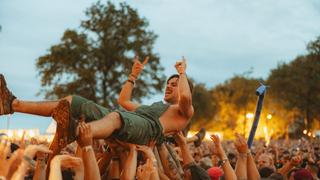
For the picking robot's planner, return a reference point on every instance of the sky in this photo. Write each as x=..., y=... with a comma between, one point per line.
x=218, y=38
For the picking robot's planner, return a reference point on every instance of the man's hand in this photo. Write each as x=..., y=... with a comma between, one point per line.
x=147, y=151
x=145, y=171
x=67, y=161
x=85, y=135
x=181, y=66
x=241, y=144
x=218, y=150
x=137, y=67
x=180, y=139
x=32, y=150
x=126, y=145
x=4, y=162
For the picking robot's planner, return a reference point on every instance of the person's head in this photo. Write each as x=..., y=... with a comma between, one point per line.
x=265, y=172
x=197, y=173
x=197, y=157
x=232, y=159
x=302, y=174
x=215, y=173
x=285, y=157
x=172, y=91
x=265, y=160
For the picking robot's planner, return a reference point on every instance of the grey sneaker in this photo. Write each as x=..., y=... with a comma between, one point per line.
x=201, y=134
x=6, y=97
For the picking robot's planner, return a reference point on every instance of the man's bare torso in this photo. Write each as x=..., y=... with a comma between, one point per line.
x=172, y=120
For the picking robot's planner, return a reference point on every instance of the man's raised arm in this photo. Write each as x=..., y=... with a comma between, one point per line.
x=185, y=101
x=126, y=92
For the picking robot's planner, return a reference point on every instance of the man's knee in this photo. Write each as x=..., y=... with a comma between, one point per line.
x=116, y=120
x=68, y=98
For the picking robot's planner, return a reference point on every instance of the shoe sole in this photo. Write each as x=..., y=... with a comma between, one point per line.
x=61, y=114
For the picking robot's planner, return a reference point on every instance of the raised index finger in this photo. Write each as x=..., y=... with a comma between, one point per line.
x=183, y=59
x=146, y=60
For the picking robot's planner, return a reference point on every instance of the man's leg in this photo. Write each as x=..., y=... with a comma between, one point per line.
x=42, y=108
x=9, y=104
x=104, y=127
x=101, y=128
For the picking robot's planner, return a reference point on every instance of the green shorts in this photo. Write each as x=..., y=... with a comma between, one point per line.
x=135, y=128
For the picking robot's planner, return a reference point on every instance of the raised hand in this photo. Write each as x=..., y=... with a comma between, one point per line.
x=241, y=144
x=181, y=66
x=180, y=139
x=67, y=161
x=5, y=163
x=32, y=150
x=147, y=151
x=218, y=150
x=144, y=171
x=137, y=67
x=85, y=135
x=29, y=154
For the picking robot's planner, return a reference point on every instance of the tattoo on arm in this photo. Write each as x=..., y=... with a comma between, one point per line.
x=171, y=162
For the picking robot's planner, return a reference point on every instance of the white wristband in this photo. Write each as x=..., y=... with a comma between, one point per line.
x=87, y=148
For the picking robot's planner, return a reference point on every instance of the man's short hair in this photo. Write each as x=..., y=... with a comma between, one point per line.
x=177, y=76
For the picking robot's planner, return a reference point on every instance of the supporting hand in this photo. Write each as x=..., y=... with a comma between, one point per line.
x=85, y=135
x=180, y=139
x=147, y=151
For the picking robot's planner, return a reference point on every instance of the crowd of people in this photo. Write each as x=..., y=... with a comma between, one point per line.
x=144, y=142
x=175, y=158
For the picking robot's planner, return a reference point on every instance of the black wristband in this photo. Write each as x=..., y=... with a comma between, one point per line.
x=130, y=81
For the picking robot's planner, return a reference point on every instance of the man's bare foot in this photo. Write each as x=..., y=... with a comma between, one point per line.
x=6, y=97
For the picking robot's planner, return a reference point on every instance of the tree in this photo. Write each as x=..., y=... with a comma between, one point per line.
x=204, y=105
x=297, y=85
x=95, y=61
x=235, y=98
x=314, y=47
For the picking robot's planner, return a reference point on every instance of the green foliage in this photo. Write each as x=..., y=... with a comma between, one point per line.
x=238, y=91
x=204, y=105
x=95, y=61
x=297, y=85
x=314, y=47
x=235, y=97
x=203, y=102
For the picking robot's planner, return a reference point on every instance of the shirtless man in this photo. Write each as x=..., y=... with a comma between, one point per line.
x=138, y=125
